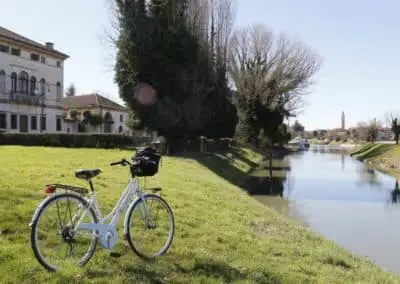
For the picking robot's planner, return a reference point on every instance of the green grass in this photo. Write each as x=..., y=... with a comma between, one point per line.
x=373, y=150
x=384, y=157
x=222, y=234
x=362, y=148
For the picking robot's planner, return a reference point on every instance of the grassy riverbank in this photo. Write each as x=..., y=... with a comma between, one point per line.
x=222, y=234
x=385, y=157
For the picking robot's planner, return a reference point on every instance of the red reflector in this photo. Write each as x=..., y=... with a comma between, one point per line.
x=50, y=189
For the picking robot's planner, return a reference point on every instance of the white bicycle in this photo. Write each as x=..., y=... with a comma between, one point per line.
x=74, y=233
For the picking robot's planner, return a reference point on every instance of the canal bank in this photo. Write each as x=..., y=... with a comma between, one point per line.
x=382, y=156
x=339, y=197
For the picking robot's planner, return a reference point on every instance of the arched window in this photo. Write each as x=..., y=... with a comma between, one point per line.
x=33, y=85
x=107, y=122
x=42, y=86
x=59, y=91
x=2, y=82
x=23, y=82
x=14, y=79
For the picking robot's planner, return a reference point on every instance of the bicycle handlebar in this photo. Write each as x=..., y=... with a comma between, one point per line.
x=122, y=162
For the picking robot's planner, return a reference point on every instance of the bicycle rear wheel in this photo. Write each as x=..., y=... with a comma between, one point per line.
x=151, y=226
x=53, y=237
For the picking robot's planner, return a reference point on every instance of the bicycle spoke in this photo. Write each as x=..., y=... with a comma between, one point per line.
x=150, y=239
x=48, y=242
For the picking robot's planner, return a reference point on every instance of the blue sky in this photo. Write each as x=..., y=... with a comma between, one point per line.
x=357, y=40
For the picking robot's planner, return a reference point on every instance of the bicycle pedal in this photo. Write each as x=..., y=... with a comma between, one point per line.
x=115, y=254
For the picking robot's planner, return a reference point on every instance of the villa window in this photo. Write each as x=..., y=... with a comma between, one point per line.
x=2, y=81
x=3, y=121
x=33, y=85
x=42, y=86
x=14, y=80
x=15, y=51
x=23, y=82
x=33, y=122
x=59, y=91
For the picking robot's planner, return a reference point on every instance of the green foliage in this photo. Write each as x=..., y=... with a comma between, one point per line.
x=66, y=140
x=92, y=118
x=157, y=47
x=396, y=129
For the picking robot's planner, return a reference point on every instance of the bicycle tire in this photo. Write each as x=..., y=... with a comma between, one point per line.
x=35, y=249
x=171, y=234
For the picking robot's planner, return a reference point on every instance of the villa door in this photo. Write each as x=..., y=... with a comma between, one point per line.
x=23, y=123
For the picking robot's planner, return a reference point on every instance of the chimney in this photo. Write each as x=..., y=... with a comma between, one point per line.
x=50, y=45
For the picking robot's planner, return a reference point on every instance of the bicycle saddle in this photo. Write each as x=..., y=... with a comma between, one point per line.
x=87, y=173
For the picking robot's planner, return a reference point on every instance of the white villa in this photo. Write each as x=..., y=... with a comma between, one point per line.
x=31, y=85
x=94, y=113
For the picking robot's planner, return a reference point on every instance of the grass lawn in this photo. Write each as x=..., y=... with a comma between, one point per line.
x=385, y=157
x=222, y=234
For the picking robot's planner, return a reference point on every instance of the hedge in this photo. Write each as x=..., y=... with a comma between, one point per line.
x=67, y=140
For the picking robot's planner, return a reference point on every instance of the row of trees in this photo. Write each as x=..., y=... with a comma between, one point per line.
x=364, y=130
x=211, y=80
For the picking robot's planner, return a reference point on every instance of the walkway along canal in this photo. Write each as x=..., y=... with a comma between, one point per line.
x=339, y=197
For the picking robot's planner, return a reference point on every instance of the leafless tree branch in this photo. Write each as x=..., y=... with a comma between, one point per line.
x=263, y=64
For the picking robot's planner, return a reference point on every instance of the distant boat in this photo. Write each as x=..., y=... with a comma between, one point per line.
x=306, y=144
x=299, y=144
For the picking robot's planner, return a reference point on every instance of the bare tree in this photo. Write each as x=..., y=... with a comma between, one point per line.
x=212, y=21
x=393, y=119
x=367, y=130
x=263, y=64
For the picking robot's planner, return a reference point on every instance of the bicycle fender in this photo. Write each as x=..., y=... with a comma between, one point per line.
x=39, y=207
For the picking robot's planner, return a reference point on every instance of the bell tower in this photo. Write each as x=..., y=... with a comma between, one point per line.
x=343, y=121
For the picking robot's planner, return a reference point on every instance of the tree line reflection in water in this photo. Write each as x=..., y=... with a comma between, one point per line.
x=267, y=180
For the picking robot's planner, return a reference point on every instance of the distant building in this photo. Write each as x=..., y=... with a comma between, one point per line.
x=31, y=85
x=94, y=113
x=343, y=121
x=384, y=134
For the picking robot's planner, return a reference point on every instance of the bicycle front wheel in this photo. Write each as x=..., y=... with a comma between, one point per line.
x=151, y=226
x=54, y=242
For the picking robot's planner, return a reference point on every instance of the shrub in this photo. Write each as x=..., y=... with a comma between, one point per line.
x=67, y=140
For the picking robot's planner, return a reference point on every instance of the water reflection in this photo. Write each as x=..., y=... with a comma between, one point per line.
x=368, y=176
x=337, y=196
x=342, y=160
x=395, y=193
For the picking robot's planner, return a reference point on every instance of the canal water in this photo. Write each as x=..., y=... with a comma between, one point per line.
x=340, y=198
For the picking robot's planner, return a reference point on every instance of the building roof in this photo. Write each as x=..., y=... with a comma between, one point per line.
x=7, y=34
x=91, y=100
x=385, y=128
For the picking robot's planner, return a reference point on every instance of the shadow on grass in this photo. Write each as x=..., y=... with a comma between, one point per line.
x=220, y=164
x=256, y=181
x=200, y=267
x=374, y=151
x=213, y=269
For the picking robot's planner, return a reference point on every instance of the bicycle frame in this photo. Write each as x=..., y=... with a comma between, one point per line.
x=105, y=229
x=130, y=191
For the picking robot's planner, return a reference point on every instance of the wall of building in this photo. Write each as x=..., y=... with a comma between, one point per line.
x=47, y=70
x=120, y=119
x=51, y=115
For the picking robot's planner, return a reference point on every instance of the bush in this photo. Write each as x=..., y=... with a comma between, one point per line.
x=67, y=140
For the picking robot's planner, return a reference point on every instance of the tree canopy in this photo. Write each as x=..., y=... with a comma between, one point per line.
x=209, y=79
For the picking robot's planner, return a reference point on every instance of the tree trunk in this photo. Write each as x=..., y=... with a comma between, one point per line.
x=270, y=166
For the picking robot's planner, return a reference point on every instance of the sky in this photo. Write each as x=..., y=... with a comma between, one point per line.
x=356, y=40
